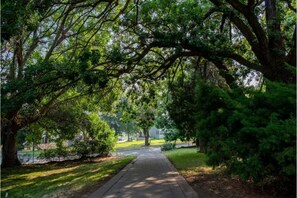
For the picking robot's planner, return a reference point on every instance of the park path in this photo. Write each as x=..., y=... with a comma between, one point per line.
x=149, y=175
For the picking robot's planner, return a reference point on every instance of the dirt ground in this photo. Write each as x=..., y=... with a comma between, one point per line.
x=225, y=186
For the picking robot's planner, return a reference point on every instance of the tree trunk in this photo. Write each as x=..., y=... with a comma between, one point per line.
x=9, y=150
x=129, y=138
x=146, y=136
x=202, y=146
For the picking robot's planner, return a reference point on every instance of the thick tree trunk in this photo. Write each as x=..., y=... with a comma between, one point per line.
x=9, y=150
x=146, y=136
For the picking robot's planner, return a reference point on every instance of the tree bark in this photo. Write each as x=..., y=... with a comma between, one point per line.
x=9, y=150
x=129, y=138
x=202, y=146
x=146, y=136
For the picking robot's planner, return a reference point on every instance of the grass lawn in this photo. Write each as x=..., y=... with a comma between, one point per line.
x=30, y=152
x=59, y=179
x=139, y=143
x=209, y=183
x=188, y=161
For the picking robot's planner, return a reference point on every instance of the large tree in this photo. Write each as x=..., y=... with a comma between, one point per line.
x=258, y=35
x=49, y=49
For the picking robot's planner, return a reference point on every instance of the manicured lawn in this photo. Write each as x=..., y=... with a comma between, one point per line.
x=188, y=161
x=30, y=152
x=58, y=179
x=137, y=144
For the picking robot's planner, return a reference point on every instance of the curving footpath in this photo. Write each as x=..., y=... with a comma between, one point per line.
x=149, y=175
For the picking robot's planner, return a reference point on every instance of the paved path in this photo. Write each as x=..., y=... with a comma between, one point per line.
x=149, y=175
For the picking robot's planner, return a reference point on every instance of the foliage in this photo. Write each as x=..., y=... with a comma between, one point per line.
x=59, y=152
x=28, y=137
x=99, y=138
x=168, y=146
x=256, y=35
x=164, y=121
x=57, y=179
x=93, y=136
x=117, y=122
x=52, y=54
x=172, y=135
x=55, y=52
x=180, y=107
x=252, y=133
x=139, y=104
x=88, y=147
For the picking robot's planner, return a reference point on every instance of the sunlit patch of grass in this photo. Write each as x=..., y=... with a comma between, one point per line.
x=189, y=162
x=51, y=179
x=139, y=143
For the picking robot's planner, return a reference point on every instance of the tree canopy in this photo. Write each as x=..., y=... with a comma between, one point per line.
x=67, y=63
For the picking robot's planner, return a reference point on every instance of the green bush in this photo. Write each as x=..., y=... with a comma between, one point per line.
x=168, y=146
x=54, y=153
x=88, y=147
x=252, y=133
x=101, y=139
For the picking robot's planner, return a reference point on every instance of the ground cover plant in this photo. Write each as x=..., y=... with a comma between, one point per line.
x=59, y=179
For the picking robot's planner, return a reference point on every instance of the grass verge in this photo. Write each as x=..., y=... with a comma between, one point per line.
x=215, y=183
x=59, y=179
x=188, y=161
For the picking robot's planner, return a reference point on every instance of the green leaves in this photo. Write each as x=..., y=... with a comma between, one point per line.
x=251, y=138
x=115, y=55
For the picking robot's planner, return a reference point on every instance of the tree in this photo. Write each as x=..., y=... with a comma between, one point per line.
x=259, y=35
x=181, y=107
x=49, y=49
x=181, y=104
x=140, y=105
x=121, y=124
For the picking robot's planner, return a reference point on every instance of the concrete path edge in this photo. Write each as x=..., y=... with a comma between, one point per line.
x=182, y=182
x=105, y=188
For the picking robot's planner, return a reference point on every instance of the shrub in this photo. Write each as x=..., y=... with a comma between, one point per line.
x=54, y=153
x=168, y=146
x=101, y=139
x=253, y=133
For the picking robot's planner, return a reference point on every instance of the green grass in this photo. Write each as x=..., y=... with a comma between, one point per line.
x=137, y=144
x=30, y=152
x=188, y=161
x=51, y=179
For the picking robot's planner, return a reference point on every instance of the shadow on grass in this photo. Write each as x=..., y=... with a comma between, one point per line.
x=41, y=180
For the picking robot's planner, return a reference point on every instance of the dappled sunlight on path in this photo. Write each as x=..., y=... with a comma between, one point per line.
x=150, y=175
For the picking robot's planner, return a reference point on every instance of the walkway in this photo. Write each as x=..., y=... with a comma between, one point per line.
x=150, y=175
